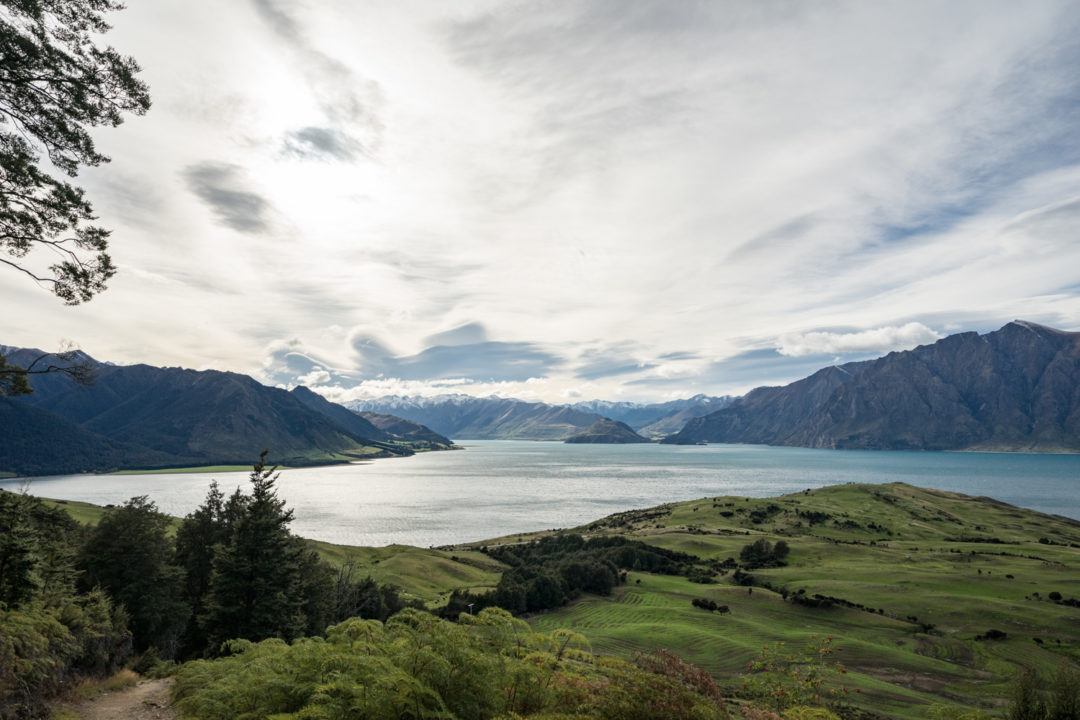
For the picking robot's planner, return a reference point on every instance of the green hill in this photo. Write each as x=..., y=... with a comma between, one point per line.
x=907, y=581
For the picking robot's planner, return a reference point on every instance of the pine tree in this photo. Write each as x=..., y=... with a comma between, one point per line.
x=257, y=584
x=199, y=536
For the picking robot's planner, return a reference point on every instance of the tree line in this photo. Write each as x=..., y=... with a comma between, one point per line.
x=83, y=601
x=550, y=572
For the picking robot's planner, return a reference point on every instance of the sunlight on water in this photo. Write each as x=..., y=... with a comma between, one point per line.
x=497, y=488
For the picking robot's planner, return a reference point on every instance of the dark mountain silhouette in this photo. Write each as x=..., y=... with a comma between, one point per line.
x=1015, y=389
x=340, y=415
x=607, y=431
x=158, y=417
x=37, y=442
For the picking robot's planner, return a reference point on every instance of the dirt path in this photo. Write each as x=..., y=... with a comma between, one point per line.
x=149, y=700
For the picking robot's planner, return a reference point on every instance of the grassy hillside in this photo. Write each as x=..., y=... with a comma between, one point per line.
x=430, y=575
x=913, y=578
x=933, y=572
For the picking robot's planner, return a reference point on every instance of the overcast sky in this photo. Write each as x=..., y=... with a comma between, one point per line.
x=613, y=199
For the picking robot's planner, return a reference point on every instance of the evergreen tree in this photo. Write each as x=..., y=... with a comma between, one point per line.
x=199, y=536
x=130, y=555
x=20, y=579
x=257, y=584
x=37, y=550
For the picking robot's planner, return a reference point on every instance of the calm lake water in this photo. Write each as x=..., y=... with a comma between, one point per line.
x=495, y=488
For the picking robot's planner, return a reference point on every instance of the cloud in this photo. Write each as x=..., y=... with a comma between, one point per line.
x=318, y=376
x=347, y=99
x=222, y=188
x=468, y=334
x=879, y=340
x=631, y=191
x=321, y=143
x=485, y=362
x=610, y=361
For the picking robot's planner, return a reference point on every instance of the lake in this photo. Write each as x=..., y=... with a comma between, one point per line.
x=499, y=487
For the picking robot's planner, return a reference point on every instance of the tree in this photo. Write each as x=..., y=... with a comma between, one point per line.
x=257, y=587
x=55, y=84
x=199, y=536
x=130, y=556
x=14, y=379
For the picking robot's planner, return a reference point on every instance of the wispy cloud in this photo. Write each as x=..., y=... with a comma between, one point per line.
x=878, y=340
x=224, y=190
x=614, y=198
x=348, y=99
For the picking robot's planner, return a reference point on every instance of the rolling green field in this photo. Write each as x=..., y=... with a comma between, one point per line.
x=429, y=575
x=916, y=578
x=932, y=570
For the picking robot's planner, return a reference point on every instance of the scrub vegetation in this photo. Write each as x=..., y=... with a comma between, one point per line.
x=857, y=601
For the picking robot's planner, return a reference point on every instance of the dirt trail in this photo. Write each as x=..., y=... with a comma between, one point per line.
x=149, y=700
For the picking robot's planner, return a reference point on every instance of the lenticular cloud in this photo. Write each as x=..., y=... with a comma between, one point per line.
x=884, y=339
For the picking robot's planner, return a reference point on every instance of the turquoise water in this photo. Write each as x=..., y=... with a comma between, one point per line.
x=495, y=488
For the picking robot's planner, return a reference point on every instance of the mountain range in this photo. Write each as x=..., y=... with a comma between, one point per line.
x=496, y=418
x=1015, y=389
x=139, y=416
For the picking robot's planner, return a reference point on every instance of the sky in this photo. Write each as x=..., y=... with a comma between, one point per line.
x=559, y=201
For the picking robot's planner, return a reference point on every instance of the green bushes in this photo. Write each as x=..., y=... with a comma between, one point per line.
x=763, y=554
x=48, y=632
x=1032, y=699
x=418, y=666
x=549, y=572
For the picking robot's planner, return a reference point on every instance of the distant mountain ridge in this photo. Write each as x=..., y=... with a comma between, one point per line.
x=496, y=418
x=139, y=416
x=1015, y=389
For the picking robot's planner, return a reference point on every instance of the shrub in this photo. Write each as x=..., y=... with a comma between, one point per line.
x=418, y=666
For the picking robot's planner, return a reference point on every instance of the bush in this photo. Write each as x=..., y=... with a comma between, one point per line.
x=763, y=554
x=418, y=666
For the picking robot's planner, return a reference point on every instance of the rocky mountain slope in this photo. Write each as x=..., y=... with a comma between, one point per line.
x=1015, y=389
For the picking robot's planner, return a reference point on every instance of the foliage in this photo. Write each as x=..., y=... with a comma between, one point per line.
x=37, y=548
x=417, y=666
x=1064, y=694
x=200, y=533
x=763, y=554
x=14, y=379
x=264, y=582
x=47, y=631
x=43, y=646
x=56, y=84
x=782, y=679
x=553, y=570
x=1032, y=699
x=130, y=555
x=952, y=712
